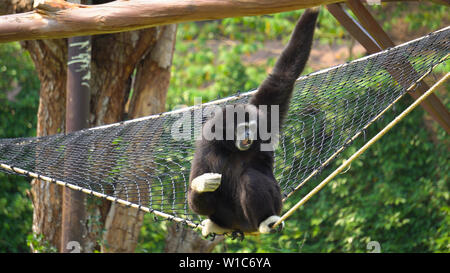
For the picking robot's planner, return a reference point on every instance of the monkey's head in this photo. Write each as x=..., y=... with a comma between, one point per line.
x=238, y=128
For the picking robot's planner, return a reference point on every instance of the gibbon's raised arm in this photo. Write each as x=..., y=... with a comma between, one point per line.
x=277, y=87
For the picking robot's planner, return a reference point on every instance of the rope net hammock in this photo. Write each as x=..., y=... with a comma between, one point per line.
x=141, y=164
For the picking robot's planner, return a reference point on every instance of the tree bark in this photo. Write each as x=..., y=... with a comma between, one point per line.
x=153, y=75
x=47, y=197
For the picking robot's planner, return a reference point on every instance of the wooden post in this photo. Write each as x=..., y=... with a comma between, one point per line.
x=77, y=115
x=370, y=34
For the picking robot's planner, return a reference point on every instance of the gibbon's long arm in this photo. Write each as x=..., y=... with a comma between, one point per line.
x=277, y=87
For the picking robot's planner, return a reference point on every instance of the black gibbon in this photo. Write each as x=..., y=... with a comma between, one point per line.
x=232, y=180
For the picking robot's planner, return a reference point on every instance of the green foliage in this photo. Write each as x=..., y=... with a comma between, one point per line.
x=431, y=16
x=38, y=244
x=17, y=119
x=17, y=73
x=15, y=213
x=153, y=235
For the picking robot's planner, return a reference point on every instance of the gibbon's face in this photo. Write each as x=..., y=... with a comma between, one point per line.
x=235, y=127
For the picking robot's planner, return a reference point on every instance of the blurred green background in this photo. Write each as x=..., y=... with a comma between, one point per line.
x=397, y=193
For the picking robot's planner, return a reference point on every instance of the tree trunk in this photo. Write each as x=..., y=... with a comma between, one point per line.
x=153, y=75
x=47, y=198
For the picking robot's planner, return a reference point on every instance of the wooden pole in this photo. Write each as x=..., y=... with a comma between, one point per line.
x=77, y=115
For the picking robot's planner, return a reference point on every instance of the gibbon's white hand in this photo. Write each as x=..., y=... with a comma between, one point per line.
x=206, y=182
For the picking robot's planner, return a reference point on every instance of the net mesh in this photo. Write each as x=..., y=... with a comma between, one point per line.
x=139, y=161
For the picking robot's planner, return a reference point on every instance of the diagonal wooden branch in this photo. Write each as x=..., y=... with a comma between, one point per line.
x=58, y=19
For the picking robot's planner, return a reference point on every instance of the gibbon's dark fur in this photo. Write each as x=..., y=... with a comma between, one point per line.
x=248, y=192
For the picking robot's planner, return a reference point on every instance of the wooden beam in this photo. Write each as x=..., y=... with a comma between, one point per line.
x=354, y=28
x=369, y=23
x=58, y=19
x=370, y=34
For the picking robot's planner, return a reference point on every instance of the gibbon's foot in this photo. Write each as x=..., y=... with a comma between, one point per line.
x=210, y=227
x=266, y=225
x=206, y=182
